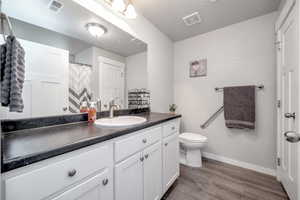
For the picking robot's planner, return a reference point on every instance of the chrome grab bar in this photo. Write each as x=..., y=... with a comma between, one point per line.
x=212, y=118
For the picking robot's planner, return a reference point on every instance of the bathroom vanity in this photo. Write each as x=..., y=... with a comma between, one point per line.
x=86, y=162
x=49, y=151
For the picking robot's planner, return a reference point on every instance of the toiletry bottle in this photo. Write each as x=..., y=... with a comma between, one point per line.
x=84, y=107
x=92, y=112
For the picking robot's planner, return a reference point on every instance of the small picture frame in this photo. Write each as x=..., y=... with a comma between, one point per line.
x=198, y=68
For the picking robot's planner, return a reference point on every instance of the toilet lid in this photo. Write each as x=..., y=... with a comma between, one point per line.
x=192, y=137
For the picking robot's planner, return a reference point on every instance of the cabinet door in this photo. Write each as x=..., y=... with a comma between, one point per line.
x=153, y=172
x=129, y=178
x=99, y=187
x=170, y=160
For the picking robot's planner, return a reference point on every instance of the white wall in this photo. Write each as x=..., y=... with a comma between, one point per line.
x=136, y=71
x=40, y=35
x=282, y=3
x=160, y=52
x=239, y=54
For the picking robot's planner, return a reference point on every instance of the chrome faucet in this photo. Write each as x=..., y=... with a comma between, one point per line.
x=99, y=105
x=112, y=107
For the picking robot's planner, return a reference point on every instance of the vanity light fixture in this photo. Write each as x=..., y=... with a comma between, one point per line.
x=118, y=5
x=130, y=12
x=95, y=29
x=124, y=7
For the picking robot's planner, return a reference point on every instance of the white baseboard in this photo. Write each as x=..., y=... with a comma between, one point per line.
x=242, y=164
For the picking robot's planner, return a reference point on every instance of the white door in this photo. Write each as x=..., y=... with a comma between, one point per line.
x=129, y=178
x=170, y=161
x=99, y=187
x=153, y=172
x=45, y=90
x=48, y=70
x=111, y=82
x=289, y=111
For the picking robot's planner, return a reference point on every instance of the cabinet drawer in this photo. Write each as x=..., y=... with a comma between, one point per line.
x=45, y=181
x=127, y=147
x=170, y=128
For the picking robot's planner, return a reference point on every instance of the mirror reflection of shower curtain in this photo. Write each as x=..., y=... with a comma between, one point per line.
x=79, y=86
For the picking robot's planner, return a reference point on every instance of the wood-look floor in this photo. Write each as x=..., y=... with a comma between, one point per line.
x=220, y=181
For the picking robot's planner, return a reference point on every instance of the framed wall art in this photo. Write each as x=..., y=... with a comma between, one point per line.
x=198, y=68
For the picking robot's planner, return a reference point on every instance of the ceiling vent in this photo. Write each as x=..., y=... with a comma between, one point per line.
x=192, y=19
x=55, y=5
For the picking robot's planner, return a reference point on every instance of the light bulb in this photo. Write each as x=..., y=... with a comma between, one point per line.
x=118, y=5
x=130, y=12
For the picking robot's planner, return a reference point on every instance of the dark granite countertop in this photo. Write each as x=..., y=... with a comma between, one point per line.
x=24, y=147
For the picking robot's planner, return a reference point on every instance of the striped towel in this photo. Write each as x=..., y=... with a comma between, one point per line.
x=12, y=79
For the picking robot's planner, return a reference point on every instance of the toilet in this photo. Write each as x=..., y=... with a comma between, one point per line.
x=190, y=149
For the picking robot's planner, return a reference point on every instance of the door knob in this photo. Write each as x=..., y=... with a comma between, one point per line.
x=72, y=173
x=292, y=136
x=105, y=181
x=290, y=115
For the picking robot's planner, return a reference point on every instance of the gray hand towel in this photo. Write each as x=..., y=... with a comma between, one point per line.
x=239, y=107
x=13, y=75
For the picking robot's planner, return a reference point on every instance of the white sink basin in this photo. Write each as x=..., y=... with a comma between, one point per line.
x=120, y=121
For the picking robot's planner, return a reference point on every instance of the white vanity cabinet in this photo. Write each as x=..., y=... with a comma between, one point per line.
x=154, y=167
x=95, y=188
x=170, y=149
x=139, y=177
x=129, y=178
x=153, y=172
x=83, y=174
x=138, y=166
x=170, y=161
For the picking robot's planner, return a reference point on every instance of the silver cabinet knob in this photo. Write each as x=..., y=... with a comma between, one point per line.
x=142, y=159
x=173, y=128
x=72, y=173
x=64, y=108
x=105, y=181
x=145, y=141
x=292, y=136
x=290, y=115
x=147, y=156
x=166, y=144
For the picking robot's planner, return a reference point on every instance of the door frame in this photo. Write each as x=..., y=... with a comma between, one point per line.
x=289, y=6
x=101, y=60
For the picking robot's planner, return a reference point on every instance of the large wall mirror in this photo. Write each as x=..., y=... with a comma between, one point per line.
x=74, y=56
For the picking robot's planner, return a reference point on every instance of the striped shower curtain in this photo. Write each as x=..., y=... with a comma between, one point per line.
x=79, y=86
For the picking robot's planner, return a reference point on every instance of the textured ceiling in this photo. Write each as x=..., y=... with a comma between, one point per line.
x=167, y=14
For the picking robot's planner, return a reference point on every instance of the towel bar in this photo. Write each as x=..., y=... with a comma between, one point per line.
x=260, y=87
x=212, y=118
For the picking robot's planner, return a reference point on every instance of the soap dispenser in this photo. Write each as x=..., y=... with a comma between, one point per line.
x=92, y=114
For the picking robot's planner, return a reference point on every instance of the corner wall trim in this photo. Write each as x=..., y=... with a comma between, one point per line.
x=242, y=164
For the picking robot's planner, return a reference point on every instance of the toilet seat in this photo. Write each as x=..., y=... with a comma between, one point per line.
x=192, y=138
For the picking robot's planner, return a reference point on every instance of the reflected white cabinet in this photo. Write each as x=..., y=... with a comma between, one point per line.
x=98, y=187
x=170, y=160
